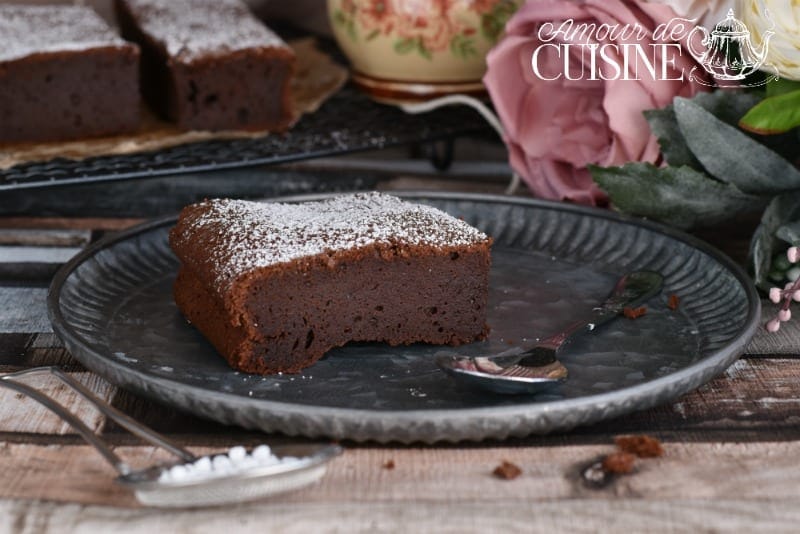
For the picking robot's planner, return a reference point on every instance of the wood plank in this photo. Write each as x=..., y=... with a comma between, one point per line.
x=165, y=419
x=578, y=516
x=13, y=348
x=692, y=471
x=27, y=254
x=20, y=414
x=76, y=223
x=47, y=349
x=51, y=238
x=28, y=274
x=785, y=341
x=23, y=310
x=754, y=399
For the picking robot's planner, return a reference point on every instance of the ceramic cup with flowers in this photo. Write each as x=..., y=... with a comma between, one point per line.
x=406, y=50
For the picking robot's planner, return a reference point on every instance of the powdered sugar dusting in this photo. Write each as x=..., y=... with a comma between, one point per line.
x=194, y=28
x=26, y=30
x=250, y=235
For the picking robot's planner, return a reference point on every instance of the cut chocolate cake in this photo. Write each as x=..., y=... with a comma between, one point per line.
x=210, y=64
x=275, y=286
x=64, y=74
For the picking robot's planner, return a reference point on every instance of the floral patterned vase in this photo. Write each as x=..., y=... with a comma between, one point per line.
x=410, y=50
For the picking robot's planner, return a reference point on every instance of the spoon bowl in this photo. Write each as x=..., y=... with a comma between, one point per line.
x=239, y=486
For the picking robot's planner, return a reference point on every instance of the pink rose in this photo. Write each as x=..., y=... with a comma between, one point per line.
x=375, y=15
x=427, y=20
x=555, y=128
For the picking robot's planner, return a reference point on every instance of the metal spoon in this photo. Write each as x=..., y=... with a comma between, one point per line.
x=538, y=368
x=242, y=485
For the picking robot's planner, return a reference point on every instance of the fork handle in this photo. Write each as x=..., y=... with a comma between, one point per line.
x=126, y=422
x=79, y=426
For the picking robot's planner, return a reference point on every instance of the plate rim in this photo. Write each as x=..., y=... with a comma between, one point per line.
x=726, y=354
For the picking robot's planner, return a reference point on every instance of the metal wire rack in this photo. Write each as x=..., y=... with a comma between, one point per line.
x=348, y=122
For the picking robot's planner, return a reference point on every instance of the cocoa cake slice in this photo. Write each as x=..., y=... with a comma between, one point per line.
x=275, y=286
x=64, y=75
x=210, y=64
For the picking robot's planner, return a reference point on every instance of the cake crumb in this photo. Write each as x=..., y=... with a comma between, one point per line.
x=507, y=471
x=640, y=445
x=674, y=302
x=634, y=313
x=619, y=463
x=388, y=464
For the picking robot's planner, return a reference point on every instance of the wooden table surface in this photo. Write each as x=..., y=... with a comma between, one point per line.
x=730, y=462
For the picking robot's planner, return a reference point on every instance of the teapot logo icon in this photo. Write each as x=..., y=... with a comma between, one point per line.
x=729, y=54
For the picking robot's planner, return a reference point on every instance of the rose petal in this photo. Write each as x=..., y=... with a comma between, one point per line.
x=555, y=128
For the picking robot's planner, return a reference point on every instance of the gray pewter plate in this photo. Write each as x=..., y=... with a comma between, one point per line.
x=552, y=263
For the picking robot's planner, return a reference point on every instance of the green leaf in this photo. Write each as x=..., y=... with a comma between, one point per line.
x=494, y=22
x=338, y=17
x=781, y=86
x=373, y=34
x=351, y=29
x=468, y=48
x=665, y=127
x=765, y=244
x=731, y=156
x=679, y=196
x=727, y=106
x=424, y=52
x=776, y=114
x=462, y=46
x=404, y=46
x=790, y=233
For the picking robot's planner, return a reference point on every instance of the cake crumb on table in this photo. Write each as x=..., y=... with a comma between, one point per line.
x=388, y=464
x=507, y=471
x=640, y=445
x=619, y=463
x=634, y=313
x=674, y=302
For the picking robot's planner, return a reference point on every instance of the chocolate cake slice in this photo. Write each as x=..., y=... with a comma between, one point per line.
x=210, y=64
x=64, y=75
x=275, y=286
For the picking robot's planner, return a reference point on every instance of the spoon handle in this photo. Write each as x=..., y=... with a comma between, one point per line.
x=631, y=290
